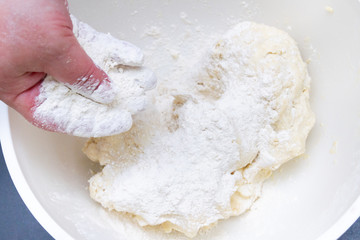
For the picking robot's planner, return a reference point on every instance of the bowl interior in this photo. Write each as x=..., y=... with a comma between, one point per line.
x=306, y=196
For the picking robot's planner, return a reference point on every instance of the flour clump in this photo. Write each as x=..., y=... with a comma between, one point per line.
x=201, y=155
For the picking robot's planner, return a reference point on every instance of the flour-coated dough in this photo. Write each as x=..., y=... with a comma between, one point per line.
x=193, y=159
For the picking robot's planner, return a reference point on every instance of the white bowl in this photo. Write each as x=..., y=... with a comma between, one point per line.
x=314, y=197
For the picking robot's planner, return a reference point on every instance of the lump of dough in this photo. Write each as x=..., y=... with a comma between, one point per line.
x=257, y=76
x=200, y=157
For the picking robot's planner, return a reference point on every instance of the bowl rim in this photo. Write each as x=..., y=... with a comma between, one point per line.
x=56, y=231
x=17, y=176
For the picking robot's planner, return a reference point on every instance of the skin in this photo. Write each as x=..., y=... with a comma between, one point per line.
x=36, y=39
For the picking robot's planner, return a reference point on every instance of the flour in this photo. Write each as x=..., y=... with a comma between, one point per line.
x=70, y=110
x=200, y=152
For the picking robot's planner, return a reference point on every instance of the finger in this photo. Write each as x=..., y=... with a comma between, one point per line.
x=119, y=51
x=77, y=70
x=144, y=77
x=78, y=120
x=61, y=110
x=124, y=53
x=131, y=84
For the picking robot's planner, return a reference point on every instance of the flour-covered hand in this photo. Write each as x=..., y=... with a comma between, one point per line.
x=38, y=46
x=78, y=113
x=36, y=39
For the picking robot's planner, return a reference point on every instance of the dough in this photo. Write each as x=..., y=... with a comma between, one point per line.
x=195, y=158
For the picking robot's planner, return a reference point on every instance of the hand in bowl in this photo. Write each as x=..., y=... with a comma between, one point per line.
x=36, y=40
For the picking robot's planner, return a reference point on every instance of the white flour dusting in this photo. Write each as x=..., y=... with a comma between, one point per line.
x=217, y=128
x=71, y=111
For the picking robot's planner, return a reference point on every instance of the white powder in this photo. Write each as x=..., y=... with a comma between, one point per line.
x=184, y=17
x=200, y=153
x=152, y=31
x=71, y=111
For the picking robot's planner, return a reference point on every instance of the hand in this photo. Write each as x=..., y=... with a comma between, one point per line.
x=36, y=39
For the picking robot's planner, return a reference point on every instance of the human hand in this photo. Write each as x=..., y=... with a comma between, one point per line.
x=36, y=39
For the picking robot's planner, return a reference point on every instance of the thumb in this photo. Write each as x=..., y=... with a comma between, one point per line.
x=77, y=70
